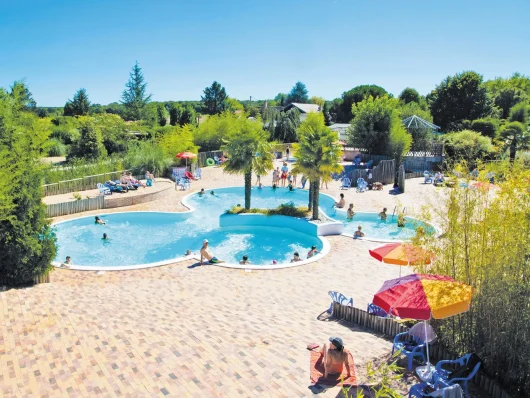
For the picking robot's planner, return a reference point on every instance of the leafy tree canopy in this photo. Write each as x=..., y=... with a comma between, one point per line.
x=458, y=98
x=507, y=98
x=90, y=144
x=214, y=99
x=234, y=105
x=298, y=94
x=22, y=96
x=517, y=138
x=520, y=113
x=488, y=127
x=469, y=146
x=409, y=95
x=516, y=81
x=178, y=139
x=135, y=96
x=281, y=99
x=212, y=133
x=318, y=100
x=342, y=108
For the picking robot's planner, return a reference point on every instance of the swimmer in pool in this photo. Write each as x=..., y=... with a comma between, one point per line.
x=359, y=233
x=201, y=192
x=99, y=221
x=350, y=213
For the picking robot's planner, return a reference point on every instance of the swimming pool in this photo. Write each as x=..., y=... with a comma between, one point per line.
x=143, y=239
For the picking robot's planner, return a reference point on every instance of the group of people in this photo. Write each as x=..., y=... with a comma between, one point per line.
x=282, y=176
x=127, y=182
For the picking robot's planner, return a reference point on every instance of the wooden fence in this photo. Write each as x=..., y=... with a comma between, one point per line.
x=414, y=175
x=77, y=206
x=389, y=327
x=80, y=184
x=202, y=156
x=384, y=172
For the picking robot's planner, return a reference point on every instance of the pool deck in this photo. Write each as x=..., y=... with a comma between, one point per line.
x=187, y=331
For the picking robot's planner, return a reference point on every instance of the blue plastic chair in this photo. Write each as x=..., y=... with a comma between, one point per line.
x=375, y=310
x=337, y=297
x=103, y=190
x=402, y=342
x=419, y=390
x=216, y=160
x=446, y=378
x=197, y=174
x=346, y=183
x=362, y=185
x=427, y=177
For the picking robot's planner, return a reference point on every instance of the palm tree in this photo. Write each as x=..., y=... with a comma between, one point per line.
x=248, y=151
x=517, y=138
x=318, y=154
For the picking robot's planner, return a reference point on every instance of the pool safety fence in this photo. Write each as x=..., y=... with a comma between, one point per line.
x=80, y=184
x=384, y=172
x=389, y=327
x=76, y=206
x=202, y=157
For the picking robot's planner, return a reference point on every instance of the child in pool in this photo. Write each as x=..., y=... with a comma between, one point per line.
x=350, y=213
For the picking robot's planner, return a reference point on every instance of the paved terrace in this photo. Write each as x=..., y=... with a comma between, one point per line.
x=187, y=331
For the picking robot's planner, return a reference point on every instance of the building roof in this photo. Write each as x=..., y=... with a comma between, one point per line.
x=304, y=108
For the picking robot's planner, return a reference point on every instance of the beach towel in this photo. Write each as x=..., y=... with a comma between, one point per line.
x=316, y=367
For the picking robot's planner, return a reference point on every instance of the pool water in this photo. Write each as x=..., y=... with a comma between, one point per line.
x=137, y=238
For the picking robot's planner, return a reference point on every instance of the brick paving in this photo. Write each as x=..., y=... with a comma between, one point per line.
x=186, y=331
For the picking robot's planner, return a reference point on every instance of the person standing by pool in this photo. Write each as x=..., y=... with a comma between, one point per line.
x=274, y=176
x=341, y=203
x=287, y=150
x=303, y=181
x=383, y=214
x=285, y=171
x=350, y=213
x=206, y=254
x=258, y=179
x=312, y=252
x=359, y=233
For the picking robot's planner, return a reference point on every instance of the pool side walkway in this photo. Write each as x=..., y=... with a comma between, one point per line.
x=187, y=331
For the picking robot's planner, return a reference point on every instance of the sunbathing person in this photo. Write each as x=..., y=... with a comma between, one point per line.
x=383, y=214
x=359, y=233
x=149, y=178
x=99, y=221
x=296, y=257
x=115, y=187
x=350, y=213
x=67, y=262
x=335, y=357
x=135, y=182
x=312, y=252
x=341, y=203
x=206, y=254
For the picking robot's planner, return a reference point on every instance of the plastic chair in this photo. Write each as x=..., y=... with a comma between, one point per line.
x=375, y=310
x=103, y=190
x=409, y=346
x=468, y=366
x=362, y=185
x=183, y=183
x=337, y=297
x=216, y=160
x=427, y=177
x=421, y=390
x=198, y=174
x=346, y=183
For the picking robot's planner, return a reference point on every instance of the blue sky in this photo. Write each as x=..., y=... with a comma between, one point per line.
x=255, y=48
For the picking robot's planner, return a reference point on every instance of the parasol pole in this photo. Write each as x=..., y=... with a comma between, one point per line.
x=427, y=344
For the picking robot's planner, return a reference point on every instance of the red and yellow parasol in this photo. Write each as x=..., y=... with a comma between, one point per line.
x=186, y=155
x=402, y=254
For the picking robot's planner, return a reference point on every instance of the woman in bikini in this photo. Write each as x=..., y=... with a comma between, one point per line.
x=335, y=357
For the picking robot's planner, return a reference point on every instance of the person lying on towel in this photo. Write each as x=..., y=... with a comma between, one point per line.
x=335, y=357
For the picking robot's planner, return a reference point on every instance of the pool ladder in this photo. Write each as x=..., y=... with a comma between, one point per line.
x=395, y=210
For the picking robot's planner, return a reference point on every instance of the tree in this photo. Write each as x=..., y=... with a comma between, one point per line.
x=318, y=100
x=409, y=95
x=282, y=125
x=114, y=132
x=27, y=242
x=488, y=127
x=318, y=154
x=79, y=106
x=162, y=115
x=175, y=114
x=342, y=108
x=298, y=94
x=468, y=146
x=377, y=128
x=327, y=116
x=281, y=99
x=457, y=98
x=517, y=138
x=234, y=105
x=248, y=151
x=520, y=113
x=178, y=139
x=214, y=131
x=146, y=155
x=90, y=144
x=22, y=96
x=214, y=99
x=508, y=97
x=135, y=97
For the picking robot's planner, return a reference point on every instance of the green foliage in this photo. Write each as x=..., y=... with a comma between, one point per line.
x=214, y=99
x=516, y=137
x=318, y=101
x=377, y=127
x=55, y=147
x=248, y=150
x=409, y=95
x=181, y=115
x=508, y=97
x=233, y=105
x=486, y=244
x=516, y=81
x=327, y=116
x=114, y=132
x=210, y=134
x=297, y=94
x=147, y=155
x=23, y=99
x=469, y=146
x=281, y=99
x=79, y=106
x=520, y=113
x=135, y=97
x=342, y=108
x=282, y=125
x=421, y=137
x=488, y=127
x=285, y=209
x=318, y=154
x=77, y=168
x=178, y=139
x=27, y=243
x=162, y=115
x=77, y=196
x=90, y=144
x=457, y=98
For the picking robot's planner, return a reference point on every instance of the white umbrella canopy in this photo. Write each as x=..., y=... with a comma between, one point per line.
x=423, y=331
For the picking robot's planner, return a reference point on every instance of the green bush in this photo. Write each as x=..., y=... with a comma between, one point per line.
x=286, y=209
x=469, y=146
x=147, y=155
x=56, y=147
x=78, y=168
